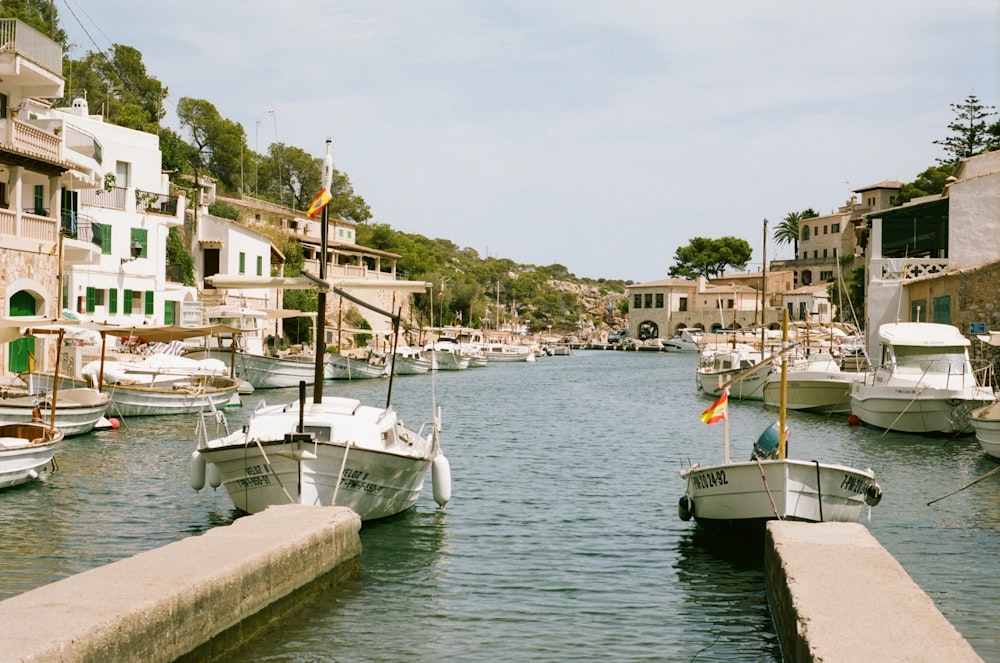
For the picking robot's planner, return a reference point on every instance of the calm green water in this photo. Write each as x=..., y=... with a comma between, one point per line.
x=562, y=540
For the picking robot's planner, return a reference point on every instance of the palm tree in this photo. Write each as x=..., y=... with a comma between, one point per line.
x=788, y=231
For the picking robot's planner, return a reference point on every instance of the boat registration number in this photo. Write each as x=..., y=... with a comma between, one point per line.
x=255, y=476
x=707, y=480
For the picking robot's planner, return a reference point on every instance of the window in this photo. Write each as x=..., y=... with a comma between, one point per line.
x=815, y=230
x=815, y=254
x=637, y=301
x=123, y=174
x=805, y=255
x=918, y=310
x=243, y=262
x=649, y=300
x=835, y=228
x=127, y=302
x=730, y=303
x=113, y=300
x=260, y=265
x=149, y=302
x=91, y=299
x=659, y=300
x=825, y=229
x=682, y=304
x=835, y=252
x=168, y=312
x=805, y=233
x=824, y=253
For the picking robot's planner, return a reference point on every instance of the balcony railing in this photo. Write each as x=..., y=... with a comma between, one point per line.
x=79, y=226
x=157, y=203
x=113, y=199
x=27, y=226
x=21, y=38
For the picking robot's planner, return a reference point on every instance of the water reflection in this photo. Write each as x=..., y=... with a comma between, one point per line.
x=725, y=603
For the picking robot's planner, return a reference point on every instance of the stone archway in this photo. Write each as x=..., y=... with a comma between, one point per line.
x=647, y=330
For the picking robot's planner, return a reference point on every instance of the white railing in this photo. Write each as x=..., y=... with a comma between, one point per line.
x=903, y=269
x=28, y=42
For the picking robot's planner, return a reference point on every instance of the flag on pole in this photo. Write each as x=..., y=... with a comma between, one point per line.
x=716, y=411
x=321, y=200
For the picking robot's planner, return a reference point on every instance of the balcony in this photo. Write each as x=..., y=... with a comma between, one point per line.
x=155, y=203
x=30, y=58
x=28, y=226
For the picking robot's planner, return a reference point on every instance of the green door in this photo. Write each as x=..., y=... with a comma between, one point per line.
x=22, y=351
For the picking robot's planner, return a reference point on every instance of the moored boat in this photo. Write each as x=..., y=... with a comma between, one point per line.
x=986, y=422
x=77, y=410
x=25, y=450
x=924, y=384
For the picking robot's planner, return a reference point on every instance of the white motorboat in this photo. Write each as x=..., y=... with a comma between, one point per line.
x=739, y=365
x=736, y=499
x=326, y=451
x=25, y=450
x=507, y=352
x=78, y=410
x=343, y=367
x=243, y=349
x=816, y=384
x=685, y=340
x=447, y=356
x=160, y=384
x=408, y=360
x=925, y=382
x=986, y=422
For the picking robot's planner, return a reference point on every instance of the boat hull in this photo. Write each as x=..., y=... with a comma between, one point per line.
x=986, y=422
x=917, y=410
x=184, y=396
x=77, y=410
x=749, y=388
x=264, y=372
x=815, y=391
x=735, y=499
x=25, y=450
x=382, y=475
x=445, y=360
x=346, y=368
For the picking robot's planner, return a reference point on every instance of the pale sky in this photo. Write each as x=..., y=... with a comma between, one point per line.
x=597, y=134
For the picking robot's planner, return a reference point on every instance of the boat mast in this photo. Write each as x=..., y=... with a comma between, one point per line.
x=763, y=293
x=782, y=407
x=321, y=295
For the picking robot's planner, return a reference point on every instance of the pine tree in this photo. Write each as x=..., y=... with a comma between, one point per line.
x=970, y=133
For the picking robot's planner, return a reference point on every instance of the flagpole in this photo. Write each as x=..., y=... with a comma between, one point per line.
x=725, y=429
x=321, y=295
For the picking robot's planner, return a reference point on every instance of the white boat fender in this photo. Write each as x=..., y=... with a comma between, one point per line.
x=685, y=508
x=873, y=495
x=213, y=475
x=197, y=470
x=441, y=479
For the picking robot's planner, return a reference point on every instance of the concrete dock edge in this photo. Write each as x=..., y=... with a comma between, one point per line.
x=162, y=604
x=837, y=595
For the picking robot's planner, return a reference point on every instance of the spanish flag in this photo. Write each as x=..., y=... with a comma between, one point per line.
x=717, y=410
x=321, y=200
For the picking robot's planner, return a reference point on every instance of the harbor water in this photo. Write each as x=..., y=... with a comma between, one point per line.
x=562, y=540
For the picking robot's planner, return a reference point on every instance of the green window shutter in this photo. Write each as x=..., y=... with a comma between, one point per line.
x=243, y=262
x=91, y=296
x=113, y=300
x=149, y=302
x=127, y=302
x=139, y=235
x=260, y=265
x=40, y=199
x=168, y=312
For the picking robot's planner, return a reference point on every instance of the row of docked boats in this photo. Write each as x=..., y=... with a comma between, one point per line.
x=924, y=381
x=736, y=499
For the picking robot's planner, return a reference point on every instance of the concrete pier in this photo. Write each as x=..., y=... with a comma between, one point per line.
x=163, y=604
x=837, y=595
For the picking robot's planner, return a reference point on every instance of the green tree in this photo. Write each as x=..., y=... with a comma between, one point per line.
x=969, y=131
x=930, y=182
x=117, y=85
x=178, y=254
x=710, y=257
x=218, y=144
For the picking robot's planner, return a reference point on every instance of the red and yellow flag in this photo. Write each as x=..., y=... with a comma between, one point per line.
x=321, y=200
x=717, y=410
